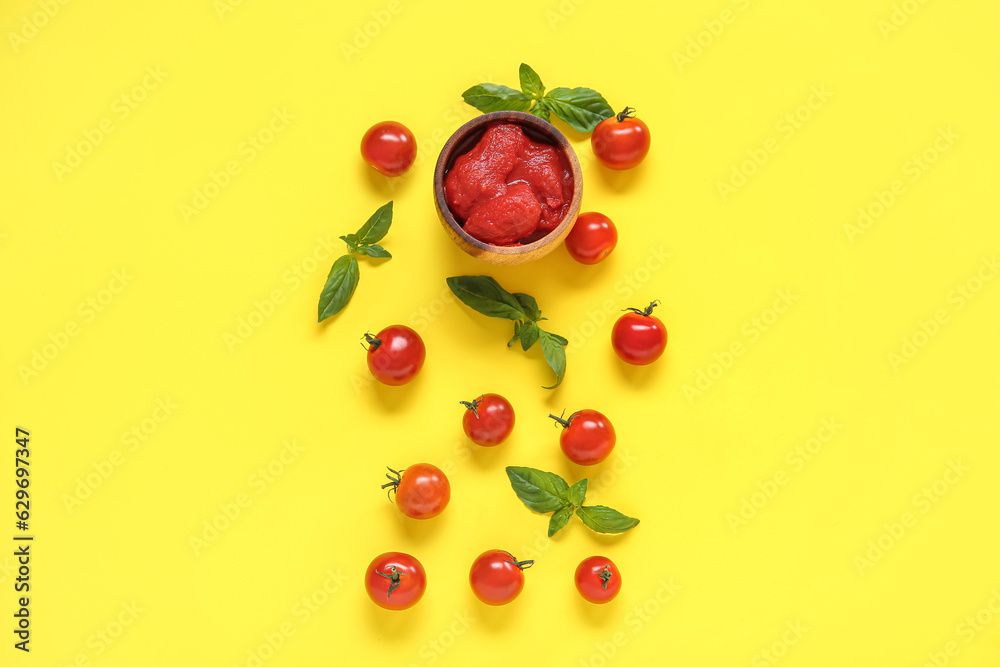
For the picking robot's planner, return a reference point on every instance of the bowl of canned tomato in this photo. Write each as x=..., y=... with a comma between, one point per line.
x=507, y=187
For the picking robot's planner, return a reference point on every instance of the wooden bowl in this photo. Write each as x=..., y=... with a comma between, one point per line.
x=462, y=142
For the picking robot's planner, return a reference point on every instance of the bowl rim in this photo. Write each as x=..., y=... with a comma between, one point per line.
x=560, y=142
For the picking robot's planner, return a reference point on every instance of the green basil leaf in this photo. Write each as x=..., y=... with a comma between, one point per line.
x=541, y=110
x=554, y=351
x=528, y=335
x=531, y=83
x=492, y=97
x=559, y=339
x=578, y=493
x=605, y=520
x=340, y=285
x=484, y=295
x=352, y=243
x=374, y=250
x=376, y=227
x=517, y=335
x=528, y=305
x=540, y=491
x=559, y=519
x=581, y=108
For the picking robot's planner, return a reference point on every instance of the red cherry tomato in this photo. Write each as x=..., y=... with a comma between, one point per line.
x=389, y=147
x=598, y=579
x=592, y=238
x=488, y=420
x=422, y=490
x=496, y=577
x=395, y=355
x=638, y=337
x=395, y=581
x=622, y=141
x=587, y=438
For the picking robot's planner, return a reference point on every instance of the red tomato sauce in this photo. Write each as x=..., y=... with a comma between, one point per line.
x=509, y=190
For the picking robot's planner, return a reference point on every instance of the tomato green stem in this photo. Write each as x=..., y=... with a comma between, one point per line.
x=647, y=311
x=374, y=342
x=474, y=405
x=393, y=482
x=521, y=564
x=605, y=576
x=394, y=579
x=564, y=422
x=627, y=112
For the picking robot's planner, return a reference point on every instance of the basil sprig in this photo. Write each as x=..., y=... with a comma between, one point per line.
x=581, y=108
x=546, y=492
x=344, y=274
x=484, y=295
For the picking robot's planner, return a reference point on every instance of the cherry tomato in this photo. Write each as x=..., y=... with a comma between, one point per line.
x=496, y=577
x=598, y=579
x=395, y=581
x=422, y=490
x=587, y=438
x=488, y=420
x=592, y=238
x=622, y=141
x=395, y=355
x=638, y=337
x=389, y=147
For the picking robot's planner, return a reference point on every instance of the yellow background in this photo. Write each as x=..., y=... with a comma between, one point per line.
x=701, y=588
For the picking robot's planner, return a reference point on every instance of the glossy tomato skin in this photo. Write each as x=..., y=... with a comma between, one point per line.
x=400, y=572
x=496, y=577
x=622, y=141
x=592, y=238
x=490, y=422
x=395, y=355
x=587, y=437
x=423, y=491
x=389, y=147
x=638, y=337
x=598, y=579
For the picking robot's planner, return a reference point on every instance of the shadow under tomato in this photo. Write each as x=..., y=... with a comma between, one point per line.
x=486, y=457
x=621, y=181
x=420, y=530
x=496, y=619
x=398, y=398
x=595, y=615
x=639, y=376
x=574, y=275
x=390, y=187
x=393, y=626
